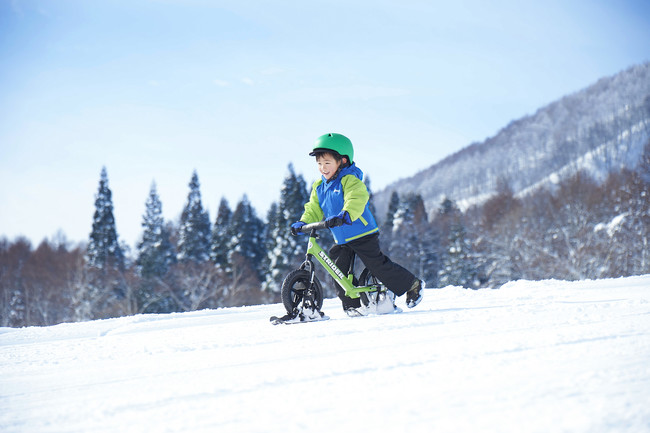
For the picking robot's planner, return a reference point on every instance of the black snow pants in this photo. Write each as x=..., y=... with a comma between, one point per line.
x=395, y=277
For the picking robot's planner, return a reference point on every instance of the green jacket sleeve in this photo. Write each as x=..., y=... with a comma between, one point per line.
x=355, y=196
x=313, y=212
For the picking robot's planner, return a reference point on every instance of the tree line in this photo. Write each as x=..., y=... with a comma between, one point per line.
x=579, y=229
x=176, y=266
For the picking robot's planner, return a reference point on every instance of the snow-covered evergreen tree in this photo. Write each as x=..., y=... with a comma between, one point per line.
x=155, y=256
x=284, y=251
x=393, y=206
x=458, y=265
x=247, y=238
x=155, y=250
x=221, y=235
x=194, y=231
x=455, y=264
x=413, y=244
x=104, y=292
x=386, y=224
x=103, y=248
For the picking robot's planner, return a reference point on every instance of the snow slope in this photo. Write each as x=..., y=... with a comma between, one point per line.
x=547, y=356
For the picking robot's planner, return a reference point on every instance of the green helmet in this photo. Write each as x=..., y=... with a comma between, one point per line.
x=334, y=142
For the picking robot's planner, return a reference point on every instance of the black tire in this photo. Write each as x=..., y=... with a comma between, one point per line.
x=294, y=287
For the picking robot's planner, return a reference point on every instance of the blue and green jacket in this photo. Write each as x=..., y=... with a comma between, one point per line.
x=346, y=192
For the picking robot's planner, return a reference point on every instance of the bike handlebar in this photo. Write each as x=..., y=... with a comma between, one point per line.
x=307, y=228
x=312, y=227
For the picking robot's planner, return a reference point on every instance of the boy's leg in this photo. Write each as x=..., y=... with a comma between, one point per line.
x=398, y=279
x=342, y=256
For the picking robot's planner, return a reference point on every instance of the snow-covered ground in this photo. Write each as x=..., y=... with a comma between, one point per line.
x=548, y=356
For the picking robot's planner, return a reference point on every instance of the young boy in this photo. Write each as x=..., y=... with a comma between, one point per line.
x=341, y=198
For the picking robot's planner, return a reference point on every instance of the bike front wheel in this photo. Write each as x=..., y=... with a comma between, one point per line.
x=297, y=288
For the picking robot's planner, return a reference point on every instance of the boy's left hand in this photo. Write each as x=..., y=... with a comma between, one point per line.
x=338, y=220
x=295, y=228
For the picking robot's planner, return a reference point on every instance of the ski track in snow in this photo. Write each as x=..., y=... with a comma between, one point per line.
x=545, y=356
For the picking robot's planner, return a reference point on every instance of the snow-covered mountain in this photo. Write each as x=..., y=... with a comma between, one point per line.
x=546, y=356
x=599, y=129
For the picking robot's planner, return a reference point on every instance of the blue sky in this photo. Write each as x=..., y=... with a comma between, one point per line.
x=237, y=90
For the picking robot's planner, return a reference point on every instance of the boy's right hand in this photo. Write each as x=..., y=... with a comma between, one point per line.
x=295, y=228
x=338, y=220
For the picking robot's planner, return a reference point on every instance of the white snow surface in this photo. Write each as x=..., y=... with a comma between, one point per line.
x=545, y=356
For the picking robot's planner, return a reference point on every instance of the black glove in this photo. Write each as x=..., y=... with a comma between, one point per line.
x=338, y=220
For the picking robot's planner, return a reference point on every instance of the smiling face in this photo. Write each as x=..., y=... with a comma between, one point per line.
x=328, y=166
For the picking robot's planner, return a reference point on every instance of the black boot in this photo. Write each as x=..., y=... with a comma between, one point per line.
x=414, y=295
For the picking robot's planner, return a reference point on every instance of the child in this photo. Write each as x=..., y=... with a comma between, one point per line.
x=341, y=198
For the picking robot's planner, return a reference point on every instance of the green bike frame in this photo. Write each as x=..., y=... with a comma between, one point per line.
x=345, y=281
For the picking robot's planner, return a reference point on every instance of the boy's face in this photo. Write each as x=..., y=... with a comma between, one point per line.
x=327, y=165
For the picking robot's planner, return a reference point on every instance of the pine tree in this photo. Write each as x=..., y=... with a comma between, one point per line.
x=458, y=265
x=104, y=293
x=246, y=245
x=194, y=232
x=155, y=256
x=103, y=249
x=453, y=263
x=386, y=224
x=221, y=234
x=155, y=250
x=393, y=206
x=448, y=208
x=413, y=242
x=283, y=251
